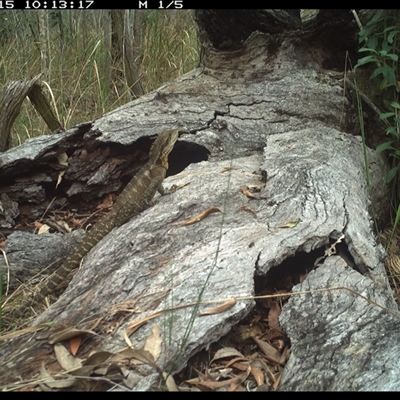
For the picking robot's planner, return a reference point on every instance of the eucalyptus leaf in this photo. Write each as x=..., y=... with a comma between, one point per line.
x=365, y=60
x=391, y=174
x=384, y=146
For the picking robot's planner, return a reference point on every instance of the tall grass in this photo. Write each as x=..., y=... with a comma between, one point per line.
x=170, y=46
x=81, y=84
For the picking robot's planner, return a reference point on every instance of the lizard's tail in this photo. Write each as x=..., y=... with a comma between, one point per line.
x=21, y=307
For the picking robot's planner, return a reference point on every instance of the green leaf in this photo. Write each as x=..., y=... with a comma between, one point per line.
x=364, y=33
x=391, y=130
x=365, y=60
x=384, y=146
x=391, y=174
x=384, y=84
x=388, y=29
x=393, y=57
x=380, y=70
x=386, y=115
x=373, y=41
x=376, y=17
x=391, y=78
x=386, y=45
x=394, y=104
x=364, y=49
x=391, y=35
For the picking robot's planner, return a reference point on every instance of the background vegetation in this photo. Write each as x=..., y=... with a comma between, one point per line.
x=83, y=56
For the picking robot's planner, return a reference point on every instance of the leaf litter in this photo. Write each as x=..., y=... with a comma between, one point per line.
x=249, y=358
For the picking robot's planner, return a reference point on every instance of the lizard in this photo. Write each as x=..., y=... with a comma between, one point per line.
x=136, y=197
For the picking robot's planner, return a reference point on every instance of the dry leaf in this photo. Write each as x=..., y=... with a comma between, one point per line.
x=273, y=315
x=126, y=338
x=134, y=326
x=43, y=229
x=256, y=188
x=204, y=382
x=62, y=160
x=249, y=210
x=127, y=354
x=143, y=356
x=226, y=352
x=64, y=225
x=123, y=355
x=268, y=371
x=170, y=383
x=106, y=203
x=221, y=308
x=217, y=385
x=270, y=352
x=59, y=178
x=48, y=380
x=258, y=375
x=21, y=332
x=95, y=362
x=65, y=333
x=193, y=381
x=74, y=344
x=60, y=383
x=153, y=343
x=227, y=169
x=83, y=371
x=112, y=371
x=130, y=380
x=131, y=354
x=219, y=373
x=245, y=190
x=201, y=216
x=98, y=358
x=239, y=363
x=76, y=222
x=276, y=383
x=65, y=359
x=290, y=224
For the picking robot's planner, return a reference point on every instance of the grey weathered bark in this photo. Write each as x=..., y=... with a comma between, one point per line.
x=43, y=107
x=269, y=106
x=11, y=98
x=131, y=55
x=126, y=50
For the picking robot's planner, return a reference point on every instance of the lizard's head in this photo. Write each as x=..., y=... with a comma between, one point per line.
x=162, y=146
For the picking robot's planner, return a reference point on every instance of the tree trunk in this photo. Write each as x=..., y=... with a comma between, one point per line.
x=44, y=49
x=11, y=98
x=272, y=118
x=137, y=88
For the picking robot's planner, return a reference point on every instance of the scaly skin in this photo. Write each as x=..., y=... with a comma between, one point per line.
x=137, y=196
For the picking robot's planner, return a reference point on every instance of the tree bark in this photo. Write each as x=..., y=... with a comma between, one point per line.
x=43, y=41
x=272, y=117
x=11, y=98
